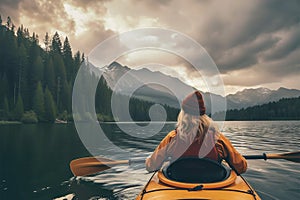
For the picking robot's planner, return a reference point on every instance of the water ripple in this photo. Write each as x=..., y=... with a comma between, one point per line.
x=273, y=179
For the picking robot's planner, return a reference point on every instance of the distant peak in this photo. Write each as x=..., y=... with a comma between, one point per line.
x=264, y=90
x=260, y=89
x=114, y=65
x=282, y=88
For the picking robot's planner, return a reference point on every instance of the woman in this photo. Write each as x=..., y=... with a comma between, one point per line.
x=195, y=136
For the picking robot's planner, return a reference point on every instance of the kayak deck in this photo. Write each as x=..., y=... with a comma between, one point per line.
x=239, y=189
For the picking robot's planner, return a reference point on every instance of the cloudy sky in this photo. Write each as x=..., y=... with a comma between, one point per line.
x=253, y=43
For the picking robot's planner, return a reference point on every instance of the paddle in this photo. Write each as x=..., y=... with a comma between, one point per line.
x=291, y=156
x=92, y=165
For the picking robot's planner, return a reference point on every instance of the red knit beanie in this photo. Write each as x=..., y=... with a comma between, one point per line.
x=194, y=104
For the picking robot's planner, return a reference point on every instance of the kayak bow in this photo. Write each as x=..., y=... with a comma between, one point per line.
x=179, y=182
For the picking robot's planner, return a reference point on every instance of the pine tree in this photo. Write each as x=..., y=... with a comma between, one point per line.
x=56, y=46
x=37, y=71
x=49, y=77
x=67, y=57
x=4, y=85
x=38, y=102
x=19, y=109
x=66, y=97
x=6, y=108
x=47, y=42
x=76, y=66
x=50, y=109
x=33, y=53
x=8, y=22
x=67, y=51
x=82, y=58
x=26, y=33
x=23, y=75
x=11, y=59
x=77, y=60
x=22, y=62
x=20, y=35
x=60, y=69
x=13, y=28
x=34, y=38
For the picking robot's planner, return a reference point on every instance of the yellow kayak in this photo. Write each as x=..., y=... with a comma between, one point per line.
x=203, y=179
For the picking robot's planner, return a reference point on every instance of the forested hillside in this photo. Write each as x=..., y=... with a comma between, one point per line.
x=35, y=80
x=37, y=76
x=284, y=109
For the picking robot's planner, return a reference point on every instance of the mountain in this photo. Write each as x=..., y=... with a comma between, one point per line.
x=155, y=80
x=259, y=96
x=157, y=87
x=152, y=86
x=143, y=84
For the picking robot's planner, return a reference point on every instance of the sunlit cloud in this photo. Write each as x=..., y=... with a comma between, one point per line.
x=79, y=16
x=253, y=43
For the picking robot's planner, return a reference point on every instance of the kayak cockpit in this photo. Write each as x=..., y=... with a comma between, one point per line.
x=192, y=172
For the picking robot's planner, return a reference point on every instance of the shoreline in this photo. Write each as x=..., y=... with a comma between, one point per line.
x=4, y=122
x=10, y=122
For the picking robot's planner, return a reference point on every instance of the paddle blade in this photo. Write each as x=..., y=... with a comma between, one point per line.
x=293, y=156
x=88, y=165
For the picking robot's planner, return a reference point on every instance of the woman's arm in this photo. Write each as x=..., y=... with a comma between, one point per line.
x=155, y=161
x=236, y=161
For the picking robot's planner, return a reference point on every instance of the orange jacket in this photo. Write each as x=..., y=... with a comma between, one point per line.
x=223, y=146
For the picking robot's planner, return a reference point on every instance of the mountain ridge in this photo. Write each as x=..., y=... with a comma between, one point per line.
x=258, y=96
x=167, y=88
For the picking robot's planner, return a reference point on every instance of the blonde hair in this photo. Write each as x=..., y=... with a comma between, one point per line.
x=190, y=127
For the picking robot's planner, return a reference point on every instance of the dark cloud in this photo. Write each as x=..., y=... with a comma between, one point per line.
x=241, y=36
x=10, y=3
x=48, y=14
x=288, y=43
x=249, y=80
x=43, y=16
x=245, y=55
x=278, y=72
x=246, y=22
x=252, y=35
x=154, y=4
x=236, y=34
x=289, y=65
x=9, y=8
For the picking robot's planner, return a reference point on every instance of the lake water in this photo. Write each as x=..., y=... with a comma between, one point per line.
x=34, y=161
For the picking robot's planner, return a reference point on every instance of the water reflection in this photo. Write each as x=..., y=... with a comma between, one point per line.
x=34, y=160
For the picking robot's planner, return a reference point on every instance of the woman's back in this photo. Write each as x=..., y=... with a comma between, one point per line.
x=195, y=136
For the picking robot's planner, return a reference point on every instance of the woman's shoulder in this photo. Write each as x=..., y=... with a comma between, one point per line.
x=172, y=133
x=171, y=136
x=167, y=139
x=222, y=137
x=222, y=140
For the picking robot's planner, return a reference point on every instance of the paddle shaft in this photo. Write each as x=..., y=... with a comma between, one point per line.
x=250, y=157
x=113, y=163
x=91, y=165
x=292, y=156
x=288, y=156
x=264, y=156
